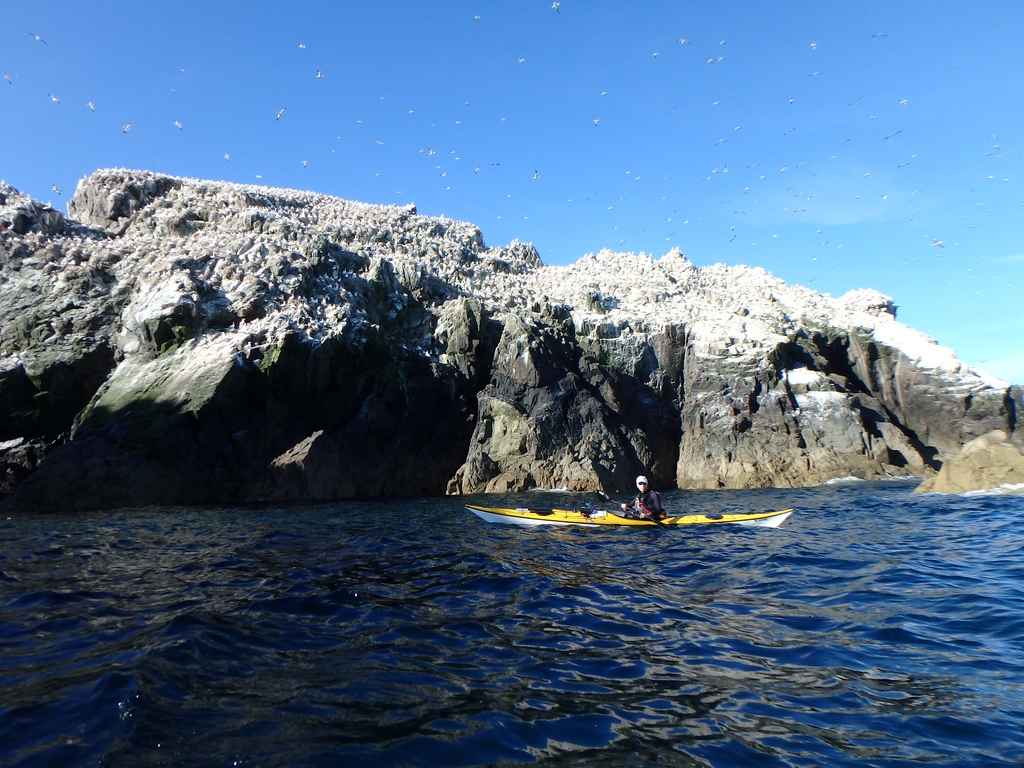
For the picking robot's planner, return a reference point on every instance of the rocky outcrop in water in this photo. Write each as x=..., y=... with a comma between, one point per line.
x=992, y=461
x=178, y=341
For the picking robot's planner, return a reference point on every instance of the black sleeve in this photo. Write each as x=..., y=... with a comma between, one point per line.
x=654, y=502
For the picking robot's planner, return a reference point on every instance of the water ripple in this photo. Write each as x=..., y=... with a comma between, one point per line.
x=873, y=627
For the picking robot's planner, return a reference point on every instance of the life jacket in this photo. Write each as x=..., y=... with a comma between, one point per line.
x=655, y=514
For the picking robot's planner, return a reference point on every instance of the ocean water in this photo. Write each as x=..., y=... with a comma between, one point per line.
x=874, y=628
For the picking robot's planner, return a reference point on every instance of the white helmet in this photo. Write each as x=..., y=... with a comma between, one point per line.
x=641, y=479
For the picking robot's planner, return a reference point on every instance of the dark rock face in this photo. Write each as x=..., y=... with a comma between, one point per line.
x=294, y=421
x=554, y=416
x=184, y=342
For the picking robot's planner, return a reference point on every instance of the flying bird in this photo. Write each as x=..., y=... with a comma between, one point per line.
x=555, y=7
x=305, y=163
x=126, y=128
x=302, y=45
x=937, y=243
x=53, y=98
x=56, y=189
x=178, y=124
x=683, y=41
x=879, y=34
x=90, y=105
x=37, y=37
x=7, y=77
x=536, y=175
x=227, y=156
x=854, y=101
x=281, y=113
x=521, y=61
x=596, y=122
x=892, y=134
x=319, y=73
x=814, y=46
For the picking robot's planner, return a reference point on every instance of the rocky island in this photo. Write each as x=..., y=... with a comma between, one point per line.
x=177, y=341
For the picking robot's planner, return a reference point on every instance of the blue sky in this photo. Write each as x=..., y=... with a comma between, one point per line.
x=834, y=144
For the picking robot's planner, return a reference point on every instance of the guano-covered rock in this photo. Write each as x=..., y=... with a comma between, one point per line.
x=179, y=341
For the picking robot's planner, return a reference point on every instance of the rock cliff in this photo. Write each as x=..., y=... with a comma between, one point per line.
x=176, y=341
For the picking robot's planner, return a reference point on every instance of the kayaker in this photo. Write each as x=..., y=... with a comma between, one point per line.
x=647, y=504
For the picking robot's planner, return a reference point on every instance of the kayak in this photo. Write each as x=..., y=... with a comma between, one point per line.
x=594, y=517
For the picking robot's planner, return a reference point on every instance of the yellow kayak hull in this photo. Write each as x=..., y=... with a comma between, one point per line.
x=597, y=517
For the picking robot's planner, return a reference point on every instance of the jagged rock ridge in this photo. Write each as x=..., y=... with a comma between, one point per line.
x=184, y=341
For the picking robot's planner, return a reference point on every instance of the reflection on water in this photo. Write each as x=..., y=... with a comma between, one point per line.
x=872, y=626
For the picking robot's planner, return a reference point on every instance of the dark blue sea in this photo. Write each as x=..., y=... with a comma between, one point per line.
x=874, y=628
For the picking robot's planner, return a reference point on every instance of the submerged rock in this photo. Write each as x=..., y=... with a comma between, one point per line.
x=183, y=341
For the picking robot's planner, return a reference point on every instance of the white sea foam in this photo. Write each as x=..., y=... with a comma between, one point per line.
x=1016, y=488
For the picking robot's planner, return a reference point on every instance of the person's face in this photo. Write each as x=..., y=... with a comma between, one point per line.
x=642, y=487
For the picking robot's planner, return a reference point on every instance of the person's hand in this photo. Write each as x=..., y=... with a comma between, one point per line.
x=624, y=507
